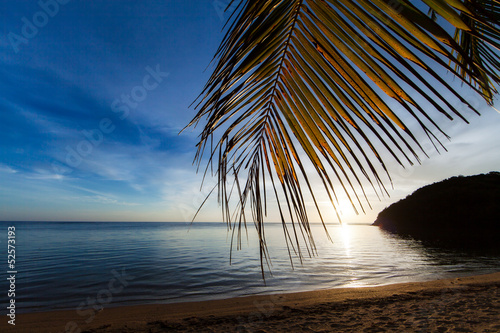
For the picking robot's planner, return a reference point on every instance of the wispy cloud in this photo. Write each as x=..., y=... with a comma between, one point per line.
x=99, y=199
x=7, y=169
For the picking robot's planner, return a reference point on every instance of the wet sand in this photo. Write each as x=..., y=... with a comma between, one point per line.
x=468, y=304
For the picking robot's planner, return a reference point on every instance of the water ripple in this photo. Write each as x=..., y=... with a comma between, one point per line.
x=61, y=265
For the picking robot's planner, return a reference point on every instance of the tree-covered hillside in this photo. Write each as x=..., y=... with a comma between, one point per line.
x=459, y=209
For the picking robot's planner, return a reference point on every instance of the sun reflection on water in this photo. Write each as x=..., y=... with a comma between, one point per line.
x=345, y=233
x=350, y=266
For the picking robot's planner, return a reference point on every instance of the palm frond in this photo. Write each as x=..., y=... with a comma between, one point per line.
x=481, y=42
x=312, y=81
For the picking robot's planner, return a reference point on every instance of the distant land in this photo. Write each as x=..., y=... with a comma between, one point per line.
x=459, y=211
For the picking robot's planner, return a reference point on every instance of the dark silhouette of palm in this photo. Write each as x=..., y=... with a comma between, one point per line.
x=332, y=84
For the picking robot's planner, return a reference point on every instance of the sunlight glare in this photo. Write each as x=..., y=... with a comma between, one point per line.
x=345, y=233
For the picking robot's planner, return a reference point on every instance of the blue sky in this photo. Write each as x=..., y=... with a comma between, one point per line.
x=95, y=94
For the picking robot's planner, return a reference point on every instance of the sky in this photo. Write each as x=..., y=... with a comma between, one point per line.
x=95, y=93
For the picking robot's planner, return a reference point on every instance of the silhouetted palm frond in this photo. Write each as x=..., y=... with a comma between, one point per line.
x=314, y=79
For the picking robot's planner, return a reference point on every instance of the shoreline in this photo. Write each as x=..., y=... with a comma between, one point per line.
x=472, y=303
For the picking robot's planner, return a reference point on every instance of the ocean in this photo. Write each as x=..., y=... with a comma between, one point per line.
x=73, y=265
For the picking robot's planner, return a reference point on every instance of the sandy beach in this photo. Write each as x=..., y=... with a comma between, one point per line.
x=467, y=304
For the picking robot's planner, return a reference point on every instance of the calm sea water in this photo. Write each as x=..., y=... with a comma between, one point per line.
x=63, y=265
